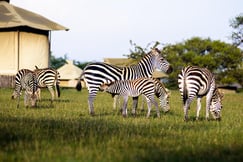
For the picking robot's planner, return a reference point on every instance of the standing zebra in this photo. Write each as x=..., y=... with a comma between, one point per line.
x=198, y=82
x=48, y=77
x=26, y=79
x=96, y=74
x=146, y=86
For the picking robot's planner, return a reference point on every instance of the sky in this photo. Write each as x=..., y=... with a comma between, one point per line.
x=103, y=28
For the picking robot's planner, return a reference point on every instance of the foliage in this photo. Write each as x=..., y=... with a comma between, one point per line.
x=65, y=131
x=81, y=65
x=137, y=52
x=237, y=34
x=221, y=58
x=57, y=62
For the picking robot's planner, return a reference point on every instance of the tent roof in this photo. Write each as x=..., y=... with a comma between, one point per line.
x=69, y=71
x=12, y=16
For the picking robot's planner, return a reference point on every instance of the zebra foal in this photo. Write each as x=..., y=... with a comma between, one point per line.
x=27, y=80
x=96, y=74
x=146, y=86
x=198, y=82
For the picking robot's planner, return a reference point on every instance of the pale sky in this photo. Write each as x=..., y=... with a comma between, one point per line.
x=103, y=28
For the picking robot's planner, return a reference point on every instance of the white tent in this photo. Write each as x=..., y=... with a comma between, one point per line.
x=25, y=40
x=70, y=74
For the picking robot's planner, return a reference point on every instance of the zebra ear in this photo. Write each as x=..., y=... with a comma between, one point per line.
x=36, y=67
x=221, y=94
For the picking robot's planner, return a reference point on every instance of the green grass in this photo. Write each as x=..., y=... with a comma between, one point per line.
x=65, y=131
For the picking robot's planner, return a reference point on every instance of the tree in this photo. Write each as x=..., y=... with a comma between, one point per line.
x=138, y=52
x=237, y=34
x=57, y=62
x=221, y=58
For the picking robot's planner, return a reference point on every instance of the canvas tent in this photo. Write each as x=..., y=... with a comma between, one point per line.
x=25, y=39
x=70, y=74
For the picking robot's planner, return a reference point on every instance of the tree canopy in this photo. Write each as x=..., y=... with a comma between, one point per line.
x=222, y=59
x=237, y=34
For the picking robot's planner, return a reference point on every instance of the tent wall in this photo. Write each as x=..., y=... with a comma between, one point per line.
x=8, y=53
x=20, y=50
x=33, y=50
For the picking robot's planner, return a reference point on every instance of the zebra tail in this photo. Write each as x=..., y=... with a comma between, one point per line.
x=185, y=92
x=79, y=85
x=58, y=90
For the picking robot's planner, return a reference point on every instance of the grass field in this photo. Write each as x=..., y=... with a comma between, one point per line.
x=64, y=131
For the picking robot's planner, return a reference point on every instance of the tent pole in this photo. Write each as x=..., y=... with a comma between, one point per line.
x=49, y=50
x=18, y=50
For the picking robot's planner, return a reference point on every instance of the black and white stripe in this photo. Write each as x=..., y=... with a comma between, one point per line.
x=48, y=77
x=198, y=82
x=145, y=86
x=27, y=80
x=96, y=74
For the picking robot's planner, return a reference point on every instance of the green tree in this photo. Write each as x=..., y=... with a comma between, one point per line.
x=237, y=34
x=57, y=62
x=221, y=58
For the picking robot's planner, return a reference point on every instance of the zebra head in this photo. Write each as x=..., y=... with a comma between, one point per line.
x=164, y=101
x=216, y=105
x=160, y=63
x=31, y=98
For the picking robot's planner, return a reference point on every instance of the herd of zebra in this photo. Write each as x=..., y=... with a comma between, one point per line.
x=131, y=81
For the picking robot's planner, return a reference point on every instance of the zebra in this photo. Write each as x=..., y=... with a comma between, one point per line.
x=26, y=79
x=160, y=92
x=48, y=77
x=96, y=74
x=146, y=86
x=198, y=82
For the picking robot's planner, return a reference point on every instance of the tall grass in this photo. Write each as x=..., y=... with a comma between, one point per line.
x=64, y=131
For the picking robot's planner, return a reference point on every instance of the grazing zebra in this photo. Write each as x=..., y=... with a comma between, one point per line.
x=160, y=92
x=26, y=79
x=96, y=74
x=146, y=86
x=48, y=77
x=198, y=82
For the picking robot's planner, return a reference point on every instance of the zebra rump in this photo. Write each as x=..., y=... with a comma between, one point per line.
x=48, y=77
x=198, y=82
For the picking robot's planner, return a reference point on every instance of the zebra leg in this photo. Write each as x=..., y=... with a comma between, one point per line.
x=135, y=105
x=198, y=107
x=91, y=103
x=26, y=99
x=186, y=106
x=142, y=104
x=18, y=100
x=156, y=105
x=115, y=100
x=52, y=93
x=38, y=93
x=149, y=107
x=208, y=102
x=124, y=108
